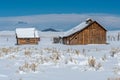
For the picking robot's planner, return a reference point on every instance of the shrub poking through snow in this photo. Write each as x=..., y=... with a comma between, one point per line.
x=9, y=51
x=116, y=78
x=104, y=58
x=91, y=61
x=98, y=66
x=27, y=67
x=114, y=51
x=77, y=52
x=33, y=67
x=94, y=64
x=5, y=50
x=116, y=70
x=27, y=53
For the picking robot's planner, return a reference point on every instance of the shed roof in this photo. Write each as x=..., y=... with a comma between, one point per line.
x=27, y=33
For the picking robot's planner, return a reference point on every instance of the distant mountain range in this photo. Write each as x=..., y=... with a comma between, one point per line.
x=53, y=27
x=50, y=30
x=21, y=22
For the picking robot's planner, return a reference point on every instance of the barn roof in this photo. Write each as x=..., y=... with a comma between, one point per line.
x=75, y=29
x=27, y=33
x=79, y=27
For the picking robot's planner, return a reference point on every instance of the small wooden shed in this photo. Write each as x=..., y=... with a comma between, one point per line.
x=88, y=32
x=27, y=36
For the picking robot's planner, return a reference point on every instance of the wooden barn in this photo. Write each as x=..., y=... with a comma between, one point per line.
x=27, y=36
x=88, y=32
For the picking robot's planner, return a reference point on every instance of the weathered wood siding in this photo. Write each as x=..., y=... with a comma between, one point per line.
x=27, y=41
x=93, y=34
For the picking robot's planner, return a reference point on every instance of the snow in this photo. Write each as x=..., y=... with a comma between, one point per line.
x=1, y=75
x=26, y=33
x=49, y=61
x=76, y=29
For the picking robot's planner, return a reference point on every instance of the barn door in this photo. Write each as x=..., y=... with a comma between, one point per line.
x=92, y=36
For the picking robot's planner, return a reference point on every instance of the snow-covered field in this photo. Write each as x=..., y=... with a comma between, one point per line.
x=48, y=61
